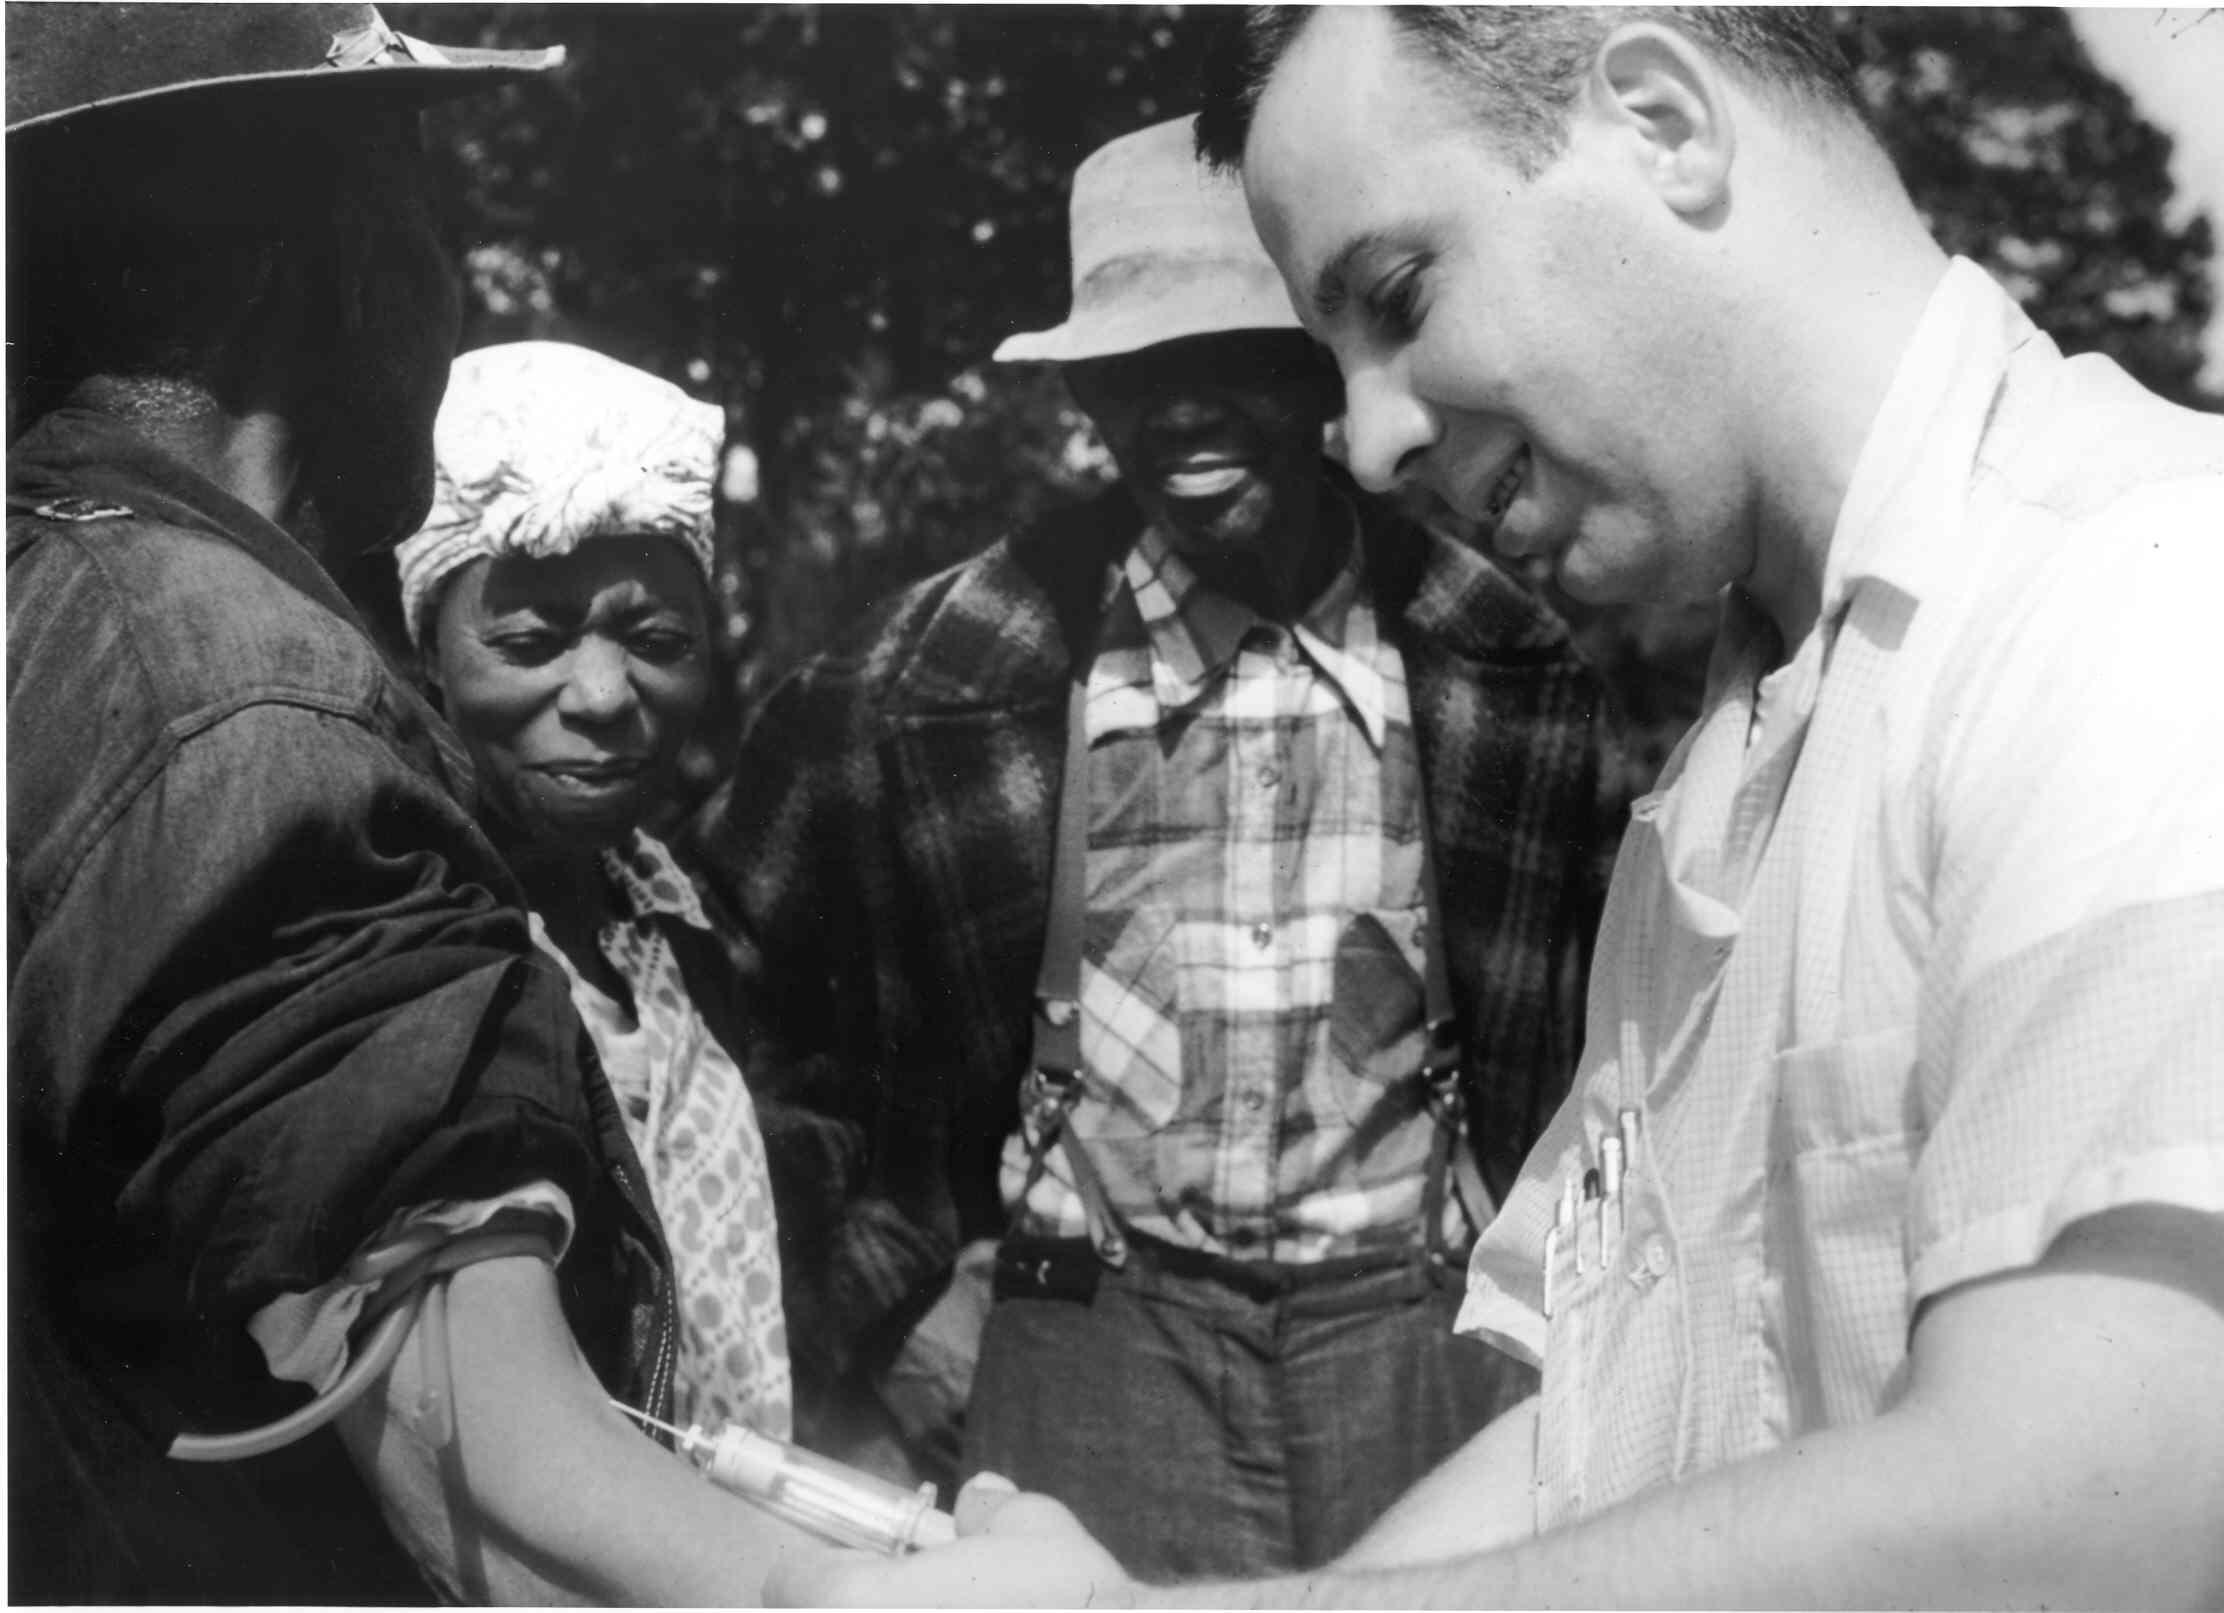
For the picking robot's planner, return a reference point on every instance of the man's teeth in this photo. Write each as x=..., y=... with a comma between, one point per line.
x=1508, y=484
x=1204, y=482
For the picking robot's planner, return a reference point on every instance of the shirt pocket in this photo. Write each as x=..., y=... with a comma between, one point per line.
x=1377, y=1009
x=1617, y=1351
x=1847, y=1129
x=1131, y=1041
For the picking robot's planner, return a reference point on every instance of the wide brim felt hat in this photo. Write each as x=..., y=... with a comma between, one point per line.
x=66, y=58
x=1162, y=248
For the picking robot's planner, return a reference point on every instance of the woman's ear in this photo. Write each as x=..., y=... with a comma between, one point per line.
x=1668, y=94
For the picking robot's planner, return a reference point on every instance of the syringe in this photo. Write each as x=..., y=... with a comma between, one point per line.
x=833, y=1501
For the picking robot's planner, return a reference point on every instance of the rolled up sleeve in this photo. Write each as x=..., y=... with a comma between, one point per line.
x=278, y=998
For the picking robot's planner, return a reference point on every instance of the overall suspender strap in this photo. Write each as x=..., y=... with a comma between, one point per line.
x=1053, y=1085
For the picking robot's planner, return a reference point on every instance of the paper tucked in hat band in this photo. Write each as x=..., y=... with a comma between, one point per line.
x=541, y=446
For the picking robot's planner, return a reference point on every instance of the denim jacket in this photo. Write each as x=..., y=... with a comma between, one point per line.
x=267, y=984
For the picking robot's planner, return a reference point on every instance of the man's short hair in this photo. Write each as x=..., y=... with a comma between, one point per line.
x=141, y=241
x=1520, y=67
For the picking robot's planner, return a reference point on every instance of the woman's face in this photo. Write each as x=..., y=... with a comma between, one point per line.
x=574, y=681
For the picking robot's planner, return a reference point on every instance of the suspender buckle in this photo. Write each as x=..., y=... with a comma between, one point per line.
x=1440, y=1070
x=1046, y=1098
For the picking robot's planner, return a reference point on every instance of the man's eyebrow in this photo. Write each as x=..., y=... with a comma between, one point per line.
x=1331, y=287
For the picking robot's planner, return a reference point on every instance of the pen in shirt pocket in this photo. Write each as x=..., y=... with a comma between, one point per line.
x=1563, y=1218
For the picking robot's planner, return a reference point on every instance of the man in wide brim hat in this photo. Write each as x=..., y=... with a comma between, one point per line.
x=279, y=1051
x=1211, y=716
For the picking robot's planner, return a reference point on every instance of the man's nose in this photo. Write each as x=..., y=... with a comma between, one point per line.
x=600, y=687
x=1387, y=430
x=1186, y=412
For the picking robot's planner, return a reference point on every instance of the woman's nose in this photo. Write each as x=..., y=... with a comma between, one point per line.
x=600, y=687
x=1387, y=430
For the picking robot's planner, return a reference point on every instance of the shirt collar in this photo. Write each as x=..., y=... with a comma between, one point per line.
x=1911, y=479
x=650, y=882
x=1194, y=633
x=81, y=451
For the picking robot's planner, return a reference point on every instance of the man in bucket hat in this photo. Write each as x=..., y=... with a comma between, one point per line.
x=1103, y=869
x=281, y=1060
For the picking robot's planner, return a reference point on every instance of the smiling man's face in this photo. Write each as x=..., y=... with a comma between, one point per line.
x=1218, y=437
x=1508, y=341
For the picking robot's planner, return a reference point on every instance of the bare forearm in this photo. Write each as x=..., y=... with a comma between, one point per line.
x=1479, y=1499
x=1813, y=1525
x=543, y=1492
x=2061, y=1444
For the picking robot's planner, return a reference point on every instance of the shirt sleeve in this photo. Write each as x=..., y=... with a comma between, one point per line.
x=280, y=997
x=2071, y=1027
x=304, y=1336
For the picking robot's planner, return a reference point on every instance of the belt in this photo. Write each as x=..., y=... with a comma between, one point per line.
x=1070, y=1269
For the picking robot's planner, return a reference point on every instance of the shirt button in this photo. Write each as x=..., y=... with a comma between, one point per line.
x=1253, y=1099
x=1269, y=776
x=1262, y=936
x=1656, y=1255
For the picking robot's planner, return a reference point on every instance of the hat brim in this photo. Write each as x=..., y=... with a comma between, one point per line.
x=1130, y=328
x=464, y=69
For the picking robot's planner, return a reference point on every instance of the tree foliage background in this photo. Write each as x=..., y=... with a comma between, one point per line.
x=824, y=219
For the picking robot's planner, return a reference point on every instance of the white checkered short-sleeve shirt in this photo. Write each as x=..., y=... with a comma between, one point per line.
x=1913, y=959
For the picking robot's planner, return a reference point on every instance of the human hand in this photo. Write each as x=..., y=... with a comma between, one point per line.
x=930, y=1381
x=1012, y=1550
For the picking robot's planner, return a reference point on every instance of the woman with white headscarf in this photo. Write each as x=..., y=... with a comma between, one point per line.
x=559, y=594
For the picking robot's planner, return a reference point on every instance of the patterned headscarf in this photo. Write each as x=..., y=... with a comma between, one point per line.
x=542, y=445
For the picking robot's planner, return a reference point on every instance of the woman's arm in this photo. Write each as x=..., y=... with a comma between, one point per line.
x=543, y=1492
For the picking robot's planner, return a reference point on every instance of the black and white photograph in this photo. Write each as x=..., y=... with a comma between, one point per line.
x=999, y=805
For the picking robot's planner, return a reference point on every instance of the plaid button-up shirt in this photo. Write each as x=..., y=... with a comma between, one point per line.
x=1252, y=947
x=886, y=847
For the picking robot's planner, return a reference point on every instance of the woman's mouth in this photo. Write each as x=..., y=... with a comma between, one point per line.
x=589, y=778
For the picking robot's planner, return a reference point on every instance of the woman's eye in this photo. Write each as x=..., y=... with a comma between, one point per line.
x=527, y=646
x=1395, y=302
x=661, y=646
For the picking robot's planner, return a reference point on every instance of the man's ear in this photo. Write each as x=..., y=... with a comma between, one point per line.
x=1661, y=88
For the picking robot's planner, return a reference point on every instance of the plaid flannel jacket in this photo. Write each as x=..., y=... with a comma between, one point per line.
x=885, y=842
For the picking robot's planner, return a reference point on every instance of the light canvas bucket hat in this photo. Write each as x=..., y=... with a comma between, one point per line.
x=1162, y=248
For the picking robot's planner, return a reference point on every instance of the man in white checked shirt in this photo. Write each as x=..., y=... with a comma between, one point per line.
x=1877, y=1259
x=1238, y=1191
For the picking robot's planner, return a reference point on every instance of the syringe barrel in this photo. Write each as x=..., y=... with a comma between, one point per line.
x=816, y=1493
